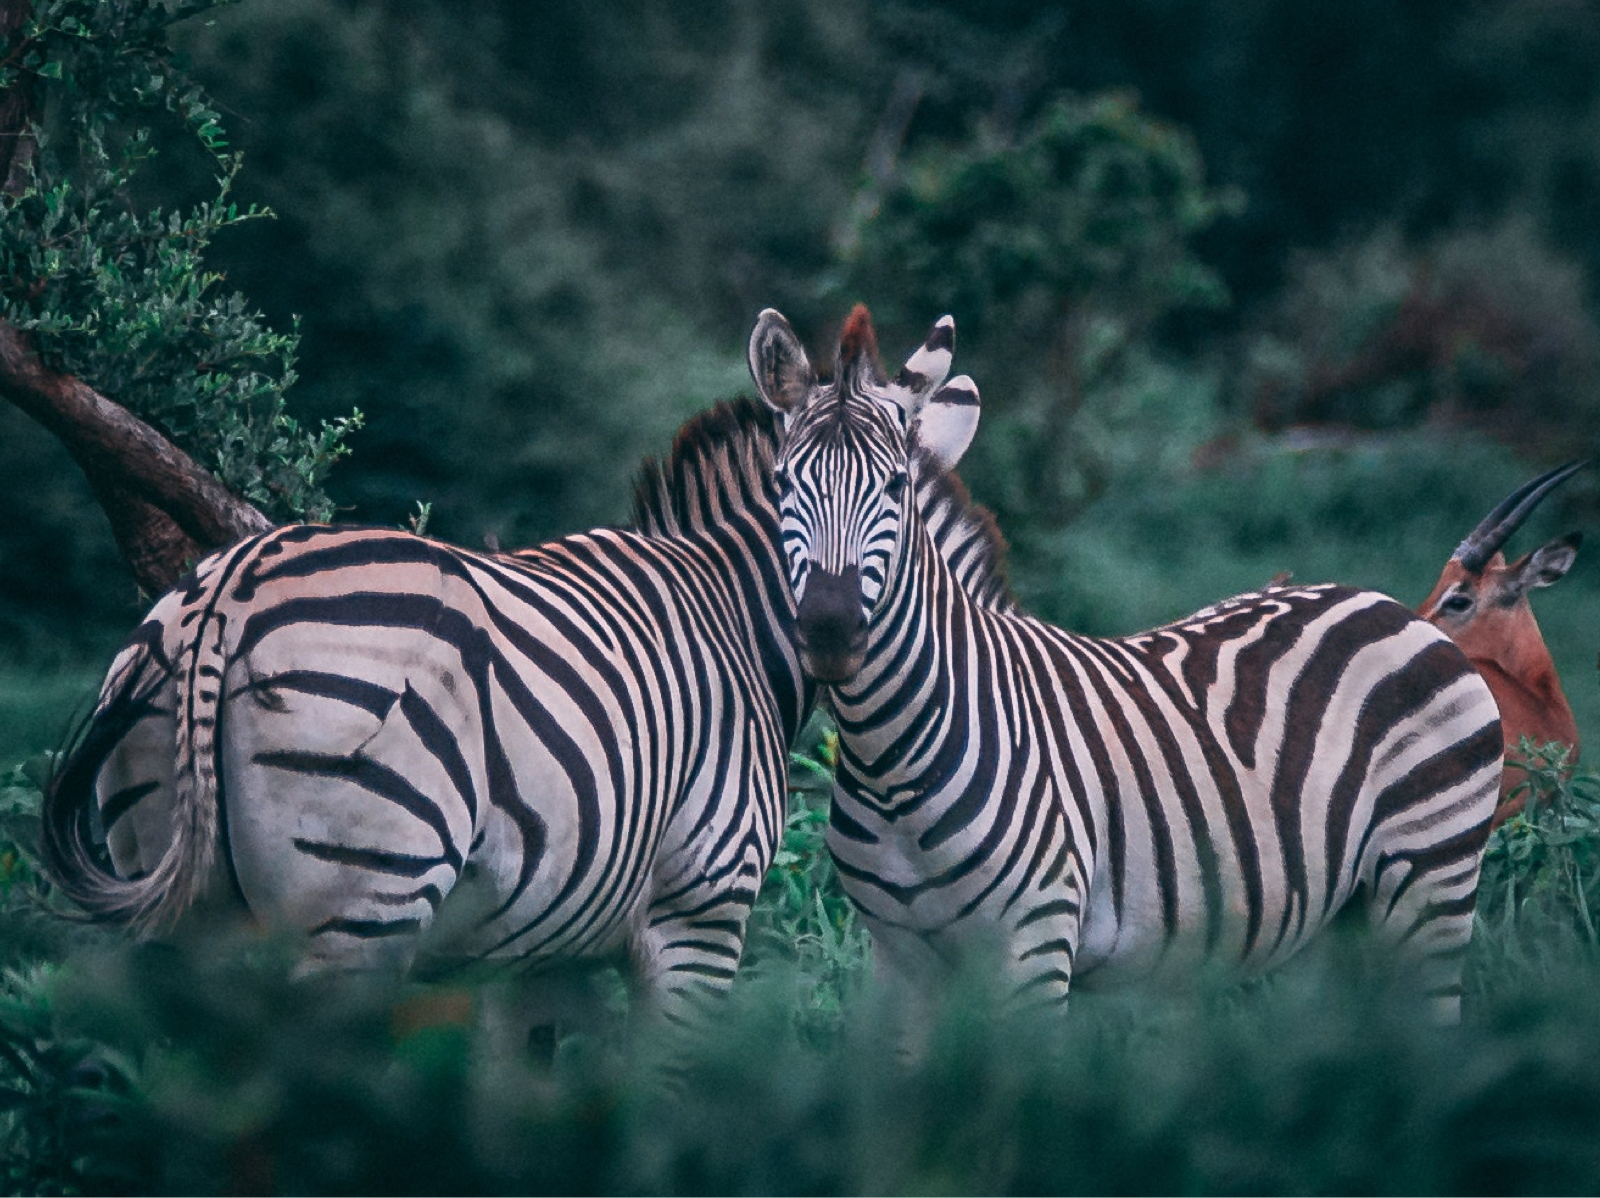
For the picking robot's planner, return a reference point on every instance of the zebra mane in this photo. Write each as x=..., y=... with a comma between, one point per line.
x=721, y=460
x=964, y=532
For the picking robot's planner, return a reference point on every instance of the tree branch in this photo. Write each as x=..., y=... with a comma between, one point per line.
x=166, y=510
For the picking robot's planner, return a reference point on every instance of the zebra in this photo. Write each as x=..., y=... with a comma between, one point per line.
x=416, y=755
x=1209, y=792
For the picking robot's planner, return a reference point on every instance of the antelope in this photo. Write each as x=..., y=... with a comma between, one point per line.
x=1481, y=603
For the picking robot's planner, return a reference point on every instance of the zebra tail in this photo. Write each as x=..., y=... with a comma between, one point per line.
x=73, y=843
x=197, y=796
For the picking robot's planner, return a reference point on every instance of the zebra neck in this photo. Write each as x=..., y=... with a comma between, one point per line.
x=893, y=716
x=746, y=549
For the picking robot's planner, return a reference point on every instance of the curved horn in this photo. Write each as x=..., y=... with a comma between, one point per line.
x=1496, y=529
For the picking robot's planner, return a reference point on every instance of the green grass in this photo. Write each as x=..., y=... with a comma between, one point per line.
x=154, y=1068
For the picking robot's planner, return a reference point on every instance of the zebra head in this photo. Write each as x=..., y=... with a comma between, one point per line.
x=851, y=445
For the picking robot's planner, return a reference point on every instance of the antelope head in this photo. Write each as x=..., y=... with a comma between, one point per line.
x=1481, y=603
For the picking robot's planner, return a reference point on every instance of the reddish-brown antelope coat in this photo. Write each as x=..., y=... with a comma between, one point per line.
x=1481, y=603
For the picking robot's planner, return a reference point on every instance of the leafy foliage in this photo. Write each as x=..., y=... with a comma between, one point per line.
x=113, y=289
x=19, y=831
x=64, y=1096
x=1072, y=239
x=187, y=1069
x=1473, y=327
x=1539, y=897
x=803, y=928
x=1094, y=204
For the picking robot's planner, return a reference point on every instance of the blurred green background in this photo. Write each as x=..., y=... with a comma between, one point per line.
x=1248, y=286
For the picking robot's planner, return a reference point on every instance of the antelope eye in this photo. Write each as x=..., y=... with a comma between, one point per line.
x=1456, y=603
x=896, y=486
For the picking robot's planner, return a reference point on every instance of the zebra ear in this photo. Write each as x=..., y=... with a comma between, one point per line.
x=926, y=369
x=778, y=363
x=948, y=420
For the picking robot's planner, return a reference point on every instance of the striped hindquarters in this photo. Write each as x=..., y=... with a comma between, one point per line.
x=577, y=744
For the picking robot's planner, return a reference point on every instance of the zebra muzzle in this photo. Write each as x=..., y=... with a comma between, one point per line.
x=830, y=625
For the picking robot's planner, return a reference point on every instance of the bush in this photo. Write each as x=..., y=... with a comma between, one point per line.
x=135, y=1069
x=1539, y=897
x=1072, y=239
x=1475, y=328
x=114, y=289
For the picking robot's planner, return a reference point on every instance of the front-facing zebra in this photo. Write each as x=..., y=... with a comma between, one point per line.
x=576, y=752
x=1210, y=791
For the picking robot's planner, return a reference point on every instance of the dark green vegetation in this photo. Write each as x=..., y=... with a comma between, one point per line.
x=525, y=241
x=172, y=1070
x=1248, y=286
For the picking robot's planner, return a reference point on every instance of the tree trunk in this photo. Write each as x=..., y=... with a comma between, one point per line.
x=166, y=510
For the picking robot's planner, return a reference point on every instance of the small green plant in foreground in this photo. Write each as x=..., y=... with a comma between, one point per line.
x=803, y=924
x=165, y=1068
x=1539, y=893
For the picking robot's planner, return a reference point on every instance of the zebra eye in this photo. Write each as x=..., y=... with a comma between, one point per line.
x=896, y=486
x=1455, y=603
x=781, y=477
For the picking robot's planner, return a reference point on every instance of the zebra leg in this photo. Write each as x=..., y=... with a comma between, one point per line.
x=1042, y=944
x=683, y=962
x=1422, y=892
x=910, y=973
x=1423, y=908
x=525, y=1016
x=690, y=935
x=693, y=937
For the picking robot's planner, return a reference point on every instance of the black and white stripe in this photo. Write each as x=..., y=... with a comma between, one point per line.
x=574, y=752
x=1212, y=791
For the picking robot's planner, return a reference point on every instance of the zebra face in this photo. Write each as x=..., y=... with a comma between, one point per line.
x=845, y=472
x=842, y=500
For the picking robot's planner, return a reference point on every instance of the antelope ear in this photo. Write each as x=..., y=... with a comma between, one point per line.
x=1546, y=564
x=948, y=420
x=778, y=364
x=924, y=370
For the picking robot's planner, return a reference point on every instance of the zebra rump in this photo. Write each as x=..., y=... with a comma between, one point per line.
x=581, y=746
x=399, y=748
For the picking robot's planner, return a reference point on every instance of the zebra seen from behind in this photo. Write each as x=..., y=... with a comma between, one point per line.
x=576, y=752
x=1212, y=791
x=401, y=749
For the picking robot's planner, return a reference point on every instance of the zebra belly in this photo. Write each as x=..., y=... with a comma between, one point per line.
x=1191, y=898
